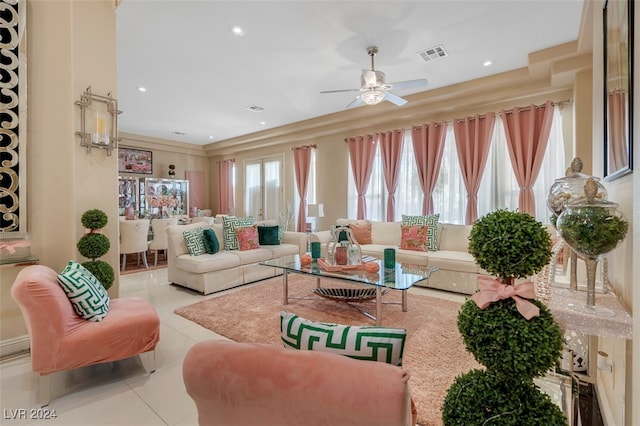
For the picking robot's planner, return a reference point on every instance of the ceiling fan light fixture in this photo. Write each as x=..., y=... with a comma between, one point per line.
x=372, y=96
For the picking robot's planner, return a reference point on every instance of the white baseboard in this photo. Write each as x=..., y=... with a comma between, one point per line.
x=14, y=346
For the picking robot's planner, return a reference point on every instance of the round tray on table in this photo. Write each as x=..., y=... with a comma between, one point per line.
x=348, y=294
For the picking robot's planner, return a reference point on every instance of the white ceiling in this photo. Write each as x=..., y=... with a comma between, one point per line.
x=200, y=78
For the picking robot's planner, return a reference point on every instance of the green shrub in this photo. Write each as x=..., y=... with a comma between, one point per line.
x=102, y=271
x=93, y=246
x=482, y=398
x=94, y=219
x=501, y=339
x=510, y=244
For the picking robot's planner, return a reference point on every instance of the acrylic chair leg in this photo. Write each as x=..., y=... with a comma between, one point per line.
x=149, y=361
x=44, y=389
x=144, y=259
x=156, y=260
x=124, y=261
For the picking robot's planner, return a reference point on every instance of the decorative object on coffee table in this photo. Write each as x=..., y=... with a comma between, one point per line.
x=592, y=227
x=343, y=250
x=95, y=244
x=506, y=329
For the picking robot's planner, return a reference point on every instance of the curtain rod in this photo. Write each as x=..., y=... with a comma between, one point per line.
x=559, y=103
x=314, y=146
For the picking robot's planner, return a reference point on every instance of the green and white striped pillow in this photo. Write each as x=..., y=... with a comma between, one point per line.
x=87, y=296
x=229, y=225
x=431, y=221
x=194, y=239
x=373, y=343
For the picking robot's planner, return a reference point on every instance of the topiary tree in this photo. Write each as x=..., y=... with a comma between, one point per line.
x=94, y=244
x=514, y=336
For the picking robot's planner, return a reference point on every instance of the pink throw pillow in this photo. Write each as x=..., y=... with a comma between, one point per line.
x=361, y=232
x=248, y=237
x=414, y=237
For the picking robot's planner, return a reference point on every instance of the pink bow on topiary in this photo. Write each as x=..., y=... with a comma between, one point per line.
x=493, y=290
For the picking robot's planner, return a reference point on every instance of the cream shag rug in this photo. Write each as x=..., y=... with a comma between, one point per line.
x=434, y=353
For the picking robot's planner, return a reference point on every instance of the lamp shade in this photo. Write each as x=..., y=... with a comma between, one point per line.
x=315, y=210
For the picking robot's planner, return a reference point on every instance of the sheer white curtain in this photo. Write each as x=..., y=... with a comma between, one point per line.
x=498, y=189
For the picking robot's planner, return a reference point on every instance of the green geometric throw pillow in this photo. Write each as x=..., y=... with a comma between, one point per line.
x=431, y=221
x=229, y=225
x=87, y=296
x=370, y=343
x=194, y=241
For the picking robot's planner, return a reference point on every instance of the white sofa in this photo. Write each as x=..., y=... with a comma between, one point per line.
x=209, y=273
x=458, y=271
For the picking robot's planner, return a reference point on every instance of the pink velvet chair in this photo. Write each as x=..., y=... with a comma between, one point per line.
x=255, y=384
x=61, y=340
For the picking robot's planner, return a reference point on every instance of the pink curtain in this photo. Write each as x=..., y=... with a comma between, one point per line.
x=362, y=150
x=527, y=131
x=473, y=139
x=226, y=200
x=391, y=146
x=428, y=146
x=301, y=164
x=618, y=157
x=196, y=190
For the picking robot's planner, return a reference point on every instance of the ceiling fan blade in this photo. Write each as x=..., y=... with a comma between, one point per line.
x=394, y=99
x=409, y=84
x=340, y=90
x=356, y=102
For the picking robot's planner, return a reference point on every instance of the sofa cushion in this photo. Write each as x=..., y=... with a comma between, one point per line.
x=283, y=249
x=194, y=240
x=431, y=221
x=371, y=343
x=259, y=254
x=208, y=262
x=455, y=237
x=269, y=235
x=414, y=237
x=211, y=243
x=385, y=233
x=361, y=232
x=247, y=238
x=87, y=296
x=454, y=261
x=229, y=224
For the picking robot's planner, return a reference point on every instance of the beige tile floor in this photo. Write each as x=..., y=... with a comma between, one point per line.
x=123, y=393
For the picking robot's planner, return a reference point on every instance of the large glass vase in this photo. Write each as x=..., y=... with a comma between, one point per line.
x=592, y=227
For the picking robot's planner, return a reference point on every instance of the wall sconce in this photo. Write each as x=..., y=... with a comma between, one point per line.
x=603, y=362
x=98, y=121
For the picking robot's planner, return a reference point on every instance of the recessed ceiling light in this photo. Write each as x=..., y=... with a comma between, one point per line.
x=263, y=123
x=487, y=63
x=141, y=89
x=237, y=30
x=210, y=137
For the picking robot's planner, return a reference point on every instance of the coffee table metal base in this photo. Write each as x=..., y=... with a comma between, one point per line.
x=379, y=292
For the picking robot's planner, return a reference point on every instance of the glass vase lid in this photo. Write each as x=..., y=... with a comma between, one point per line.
x=570, y=188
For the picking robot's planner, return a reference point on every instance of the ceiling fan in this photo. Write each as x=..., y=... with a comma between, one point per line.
x=373, y=88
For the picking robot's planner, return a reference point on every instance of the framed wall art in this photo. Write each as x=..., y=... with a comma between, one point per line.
x=618, y=87
x=132, y=160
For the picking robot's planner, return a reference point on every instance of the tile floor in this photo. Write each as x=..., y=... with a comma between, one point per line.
x=123, y=393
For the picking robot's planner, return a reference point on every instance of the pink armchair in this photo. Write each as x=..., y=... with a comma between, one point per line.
x=61, y=340
x=243, y=384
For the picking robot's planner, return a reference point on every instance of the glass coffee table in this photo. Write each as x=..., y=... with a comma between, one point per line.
x=374, y=285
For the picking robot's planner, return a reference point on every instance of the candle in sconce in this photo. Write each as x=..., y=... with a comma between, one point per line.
x=100, y=125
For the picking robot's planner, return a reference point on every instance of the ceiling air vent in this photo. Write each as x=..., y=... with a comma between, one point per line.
x=254, y=108
x=433, y=53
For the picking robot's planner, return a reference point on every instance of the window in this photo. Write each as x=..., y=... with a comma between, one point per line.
x=498, y=189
